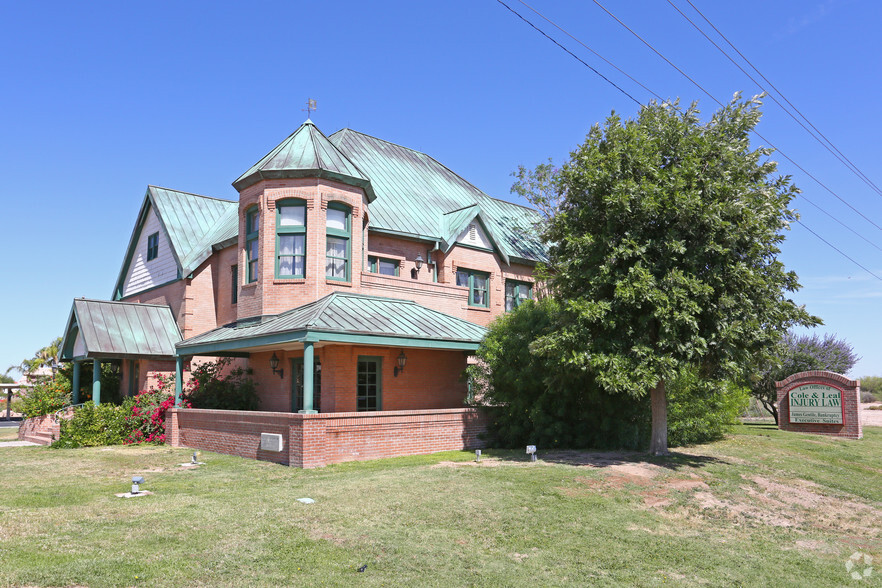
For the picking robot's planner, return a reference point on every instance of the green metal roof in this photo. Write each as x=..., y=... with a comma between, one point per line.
x=120, y=330
x=344, y=317
x=193, y=223
x=306, y=153
x=415, y=193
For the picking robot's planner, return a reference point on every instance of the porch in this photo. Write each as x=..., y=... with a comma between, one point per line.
x=315, y=440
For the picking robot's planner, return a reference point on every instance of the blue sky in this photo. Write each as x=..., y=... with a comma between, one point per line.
x=102, y=99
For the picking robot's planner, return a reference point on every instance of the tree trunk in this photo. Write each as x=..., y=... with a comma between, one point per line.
x=658, y=445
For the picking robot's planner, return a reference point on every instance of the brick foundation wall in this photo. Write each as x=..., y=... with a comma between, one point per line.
x=314, y=440
x=851, y=403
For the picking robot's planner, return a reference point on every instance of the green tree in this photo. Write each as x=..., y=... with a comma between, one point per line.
x=663, y=241
x=800, y=353
x=42, y=358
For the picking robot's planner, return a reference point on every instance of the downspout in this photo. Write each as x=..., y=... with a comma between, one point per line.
x=434, y=263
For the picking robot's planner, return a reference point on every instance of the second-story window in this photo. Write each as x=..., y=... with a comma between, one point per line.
x=338, y=246
x=381, y=265
x=516, y=292
x=152, y=246
x=476, y=282
x=291, y=239
x=252, y=246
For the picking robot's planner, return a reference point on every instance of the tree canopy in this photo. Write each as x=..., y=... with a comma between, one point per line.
x=663, y=237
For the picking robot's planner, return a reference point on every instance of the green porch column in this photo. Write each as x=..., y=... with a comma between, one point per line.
x=179, y=379
x=75, y=385
x=308, y=373
x=96, y=382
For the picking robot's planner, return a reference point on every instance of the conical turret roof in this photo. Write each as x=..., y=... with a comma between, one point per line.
x=306, y=153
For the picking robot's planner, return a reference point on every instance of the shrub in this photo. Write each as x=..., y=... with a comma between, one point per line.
x=701, y=411
x=146, y=418
x=867, y=397
x=210, y=388
x=872, y=385
x=91, y=425
x=46, y=397
x=534, y=399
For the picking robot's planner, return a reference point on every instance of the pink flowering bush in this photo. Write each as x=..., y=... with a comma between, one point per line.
x=147, y=420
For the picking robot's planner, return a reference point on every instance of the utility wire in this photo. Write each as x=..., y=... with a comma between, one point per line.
x=833, y=151
x=608, y=62
x=712, y=98
x=577, y=58
x=783, y=97
x=838, y=250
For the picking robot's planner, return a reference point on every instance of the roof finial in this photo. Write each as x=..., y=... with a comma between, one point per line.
x=310, y=107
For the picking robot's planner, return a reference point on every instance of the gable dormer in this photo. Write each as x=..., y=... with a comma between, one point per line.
x=466, y=226
x=175, y=232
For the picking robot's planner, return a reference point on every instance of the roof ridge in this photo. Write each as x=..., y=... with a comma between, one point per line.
x=191, y=193
x=320, y=308
x=530, y=208
x=84, y=299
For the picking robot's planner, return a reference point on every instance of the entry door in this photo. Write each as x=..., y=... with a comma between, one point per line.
x=370, y=383
x=297, y=385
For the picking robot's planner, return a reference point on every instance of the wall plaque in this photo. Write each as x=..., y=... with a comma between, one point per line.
x=816, y=403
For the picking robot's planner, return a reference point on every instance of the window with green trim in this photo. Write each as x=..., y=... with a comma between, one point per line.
x=369, y=385
x=153, y=246
x=516, y=292
x=234, y=278
x=338, y=242
x=476, y=282
x=290, y=239
x=252, y=251
x=381, y=265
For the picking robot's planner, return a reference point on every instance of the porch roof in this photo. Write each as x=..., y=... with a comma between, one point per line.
x=99, y=329
x=343, y=318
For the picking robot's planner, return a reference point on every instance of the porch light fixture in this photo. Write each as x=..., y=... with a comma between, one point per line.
x=274, y=363
x=418, y=262
x=402, y=360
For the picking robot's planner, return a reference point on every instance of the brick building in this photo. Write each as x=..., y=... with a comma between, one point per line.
x=353, y=276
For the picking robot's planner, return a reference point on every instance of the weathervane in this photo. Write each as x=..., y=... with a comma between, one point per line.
x=310, y=107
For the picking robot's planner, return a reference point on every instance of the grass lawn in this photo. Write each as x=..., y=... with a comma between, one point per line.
x=760, y=508
x=8, y=433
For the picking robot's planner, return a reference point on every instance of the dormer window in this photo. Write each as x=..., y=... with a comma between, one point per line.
x=252, y=251
x=153, y=246
x=338, y=242
x=291, y=239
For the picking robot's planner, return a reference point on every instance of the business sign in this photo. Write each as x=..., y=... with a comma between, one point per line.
x=816, y=403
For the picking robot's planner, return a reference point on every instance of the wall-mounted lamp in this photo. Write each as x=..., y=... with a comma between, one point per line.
x=402, y=360
x=418, y=262
x=274, y=363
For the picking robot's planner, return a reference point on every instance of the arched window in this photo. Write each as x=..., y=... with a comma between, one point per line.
x=338, y=249
x=252, y=245
x=290, y=239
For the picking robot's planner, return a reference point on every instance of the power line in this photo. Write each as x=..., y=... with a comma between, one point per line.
x=783, y=97
x=608, y=62
x=712, y=98
x=838, y=250
x=577, y=58
x=833, y=151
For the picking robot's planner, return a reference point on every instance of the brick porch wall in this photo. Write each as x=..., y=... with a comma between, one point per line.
x=313, y=440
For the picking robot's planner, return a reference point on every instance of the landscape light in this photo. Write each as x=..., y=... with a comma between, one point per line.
x=136, y=480
x=477, y=455
x=531, y=450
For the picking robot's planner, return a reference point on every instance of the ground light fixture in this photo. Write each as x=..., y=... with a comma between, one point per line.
x=136, y=482
x=531, y=451
x=402, y=361
x=477, y=455
x=274, y=363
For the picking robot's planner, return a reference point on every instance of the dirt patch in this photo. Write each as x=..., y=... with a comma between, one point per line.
x=734, y=510
x=871, y=414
